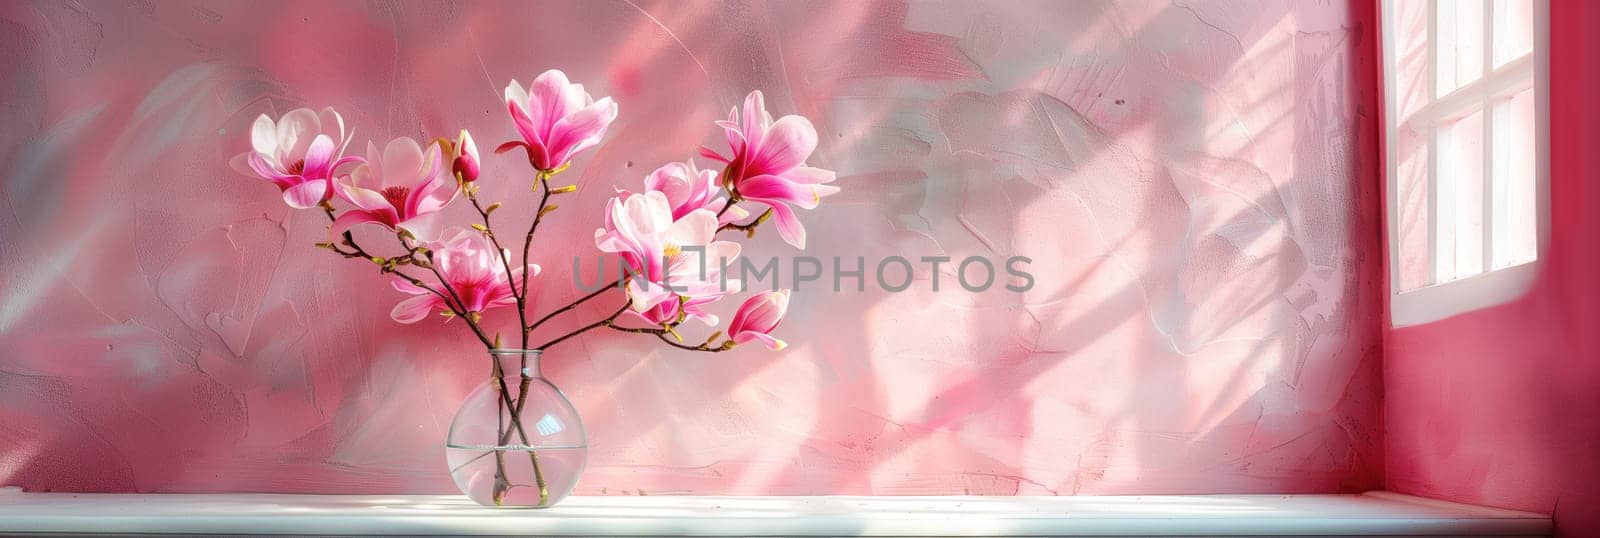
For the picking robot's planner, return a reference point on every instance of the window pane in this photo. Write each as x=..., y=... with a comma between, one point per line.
x=1513, y=30
x=1411, y=213
x=1459, y=51
x=1460, y=199
x=1411, y=58
x=1516, y=238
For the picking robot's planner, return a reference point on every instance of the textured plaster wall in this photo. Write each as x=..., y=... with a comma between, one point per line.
x=1195, y=182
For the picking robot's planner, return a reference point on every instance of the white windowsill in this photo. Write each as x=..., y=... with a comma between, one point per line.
x=1160, y=515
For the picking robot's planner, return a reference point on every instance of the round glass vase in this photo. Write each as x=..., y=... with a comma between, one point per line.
x=516, y=441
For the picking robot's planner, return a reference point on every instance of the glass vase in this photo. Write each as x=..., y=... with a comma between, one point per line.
x=516, y=441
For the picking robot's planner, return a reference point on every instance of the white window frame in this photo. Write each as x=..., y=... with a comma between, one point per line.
x=1493, y=286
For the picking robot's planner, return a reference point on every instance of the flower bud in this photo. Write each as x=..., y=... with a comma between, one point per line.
x=466, y=163
x=757, y=318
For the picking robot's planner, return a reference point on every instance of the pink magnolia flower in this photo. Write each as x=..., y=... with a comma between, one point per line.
x=298, y=153
x=556, y=119
x=474, y=271
x=768, y=164
x=402, y=188
x=757, y=318
x=692, y=308
x=466, y=161
x=666, y=257
x=686, y=187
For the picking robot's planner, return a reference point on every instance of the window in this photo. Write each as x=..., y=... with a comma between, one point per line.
x=1466, y=152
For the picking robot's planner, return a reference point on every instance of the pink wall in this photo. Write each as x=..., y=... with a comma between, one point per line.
x=1195, y=183
x=1499, y=406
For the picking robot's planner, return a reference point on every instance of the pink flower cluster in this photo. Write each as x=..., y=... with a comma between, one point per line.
x=666, y=235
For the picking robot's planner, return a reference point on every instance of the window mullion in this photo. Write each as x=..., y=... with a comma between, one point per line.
x=1488, y=143
x=1513, y=77
x=1433, y=143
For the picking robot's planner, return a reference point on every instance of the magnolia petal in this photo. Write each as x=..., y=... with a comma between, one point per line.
x=710, y=320
x=574, y=97
x=773, y=189
x=609, y=242
x=295, y=131
x=516, y=96
x=789, y=227
x=647, y=295
x=334, y=168
x=349, y=219
x=769, y=310
x=405, y=286
x=402, y=163
x=435, y=177
x=663, y=177
x=713, y=155
x=319, y=158
x=696, y=228
x=701, y=266
x=773, y=344
x=648, y=214
x=519, y=118
x=653, y=316
x=786, y=145
x=545, y=100
x=755, y=108
x=266, y=169
x=307, y=194
x=414, y=309
x=361, y=197
x=424, y=227
x=508, y=146
x=333, y=124
x=810, y=175
x=264, y=136
x=719, y=253
x=580, y=131
x=736, y=326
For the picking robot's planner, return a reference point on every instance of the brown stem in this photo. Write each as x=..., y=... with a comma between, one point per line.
x=527, y=243
x=662, y=334
x=733, y=199
x=574, y=304
x=586, y=328
x=502, y=483
x=516, y=426
x=516, y=291
x=748, y=228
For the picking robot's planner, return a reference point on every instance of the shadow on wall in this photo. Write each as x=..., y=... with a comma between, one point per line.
x=1193, y=183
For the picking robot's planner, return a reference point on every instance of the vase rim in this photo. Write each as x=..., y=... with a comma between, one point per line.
x=511, y=351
